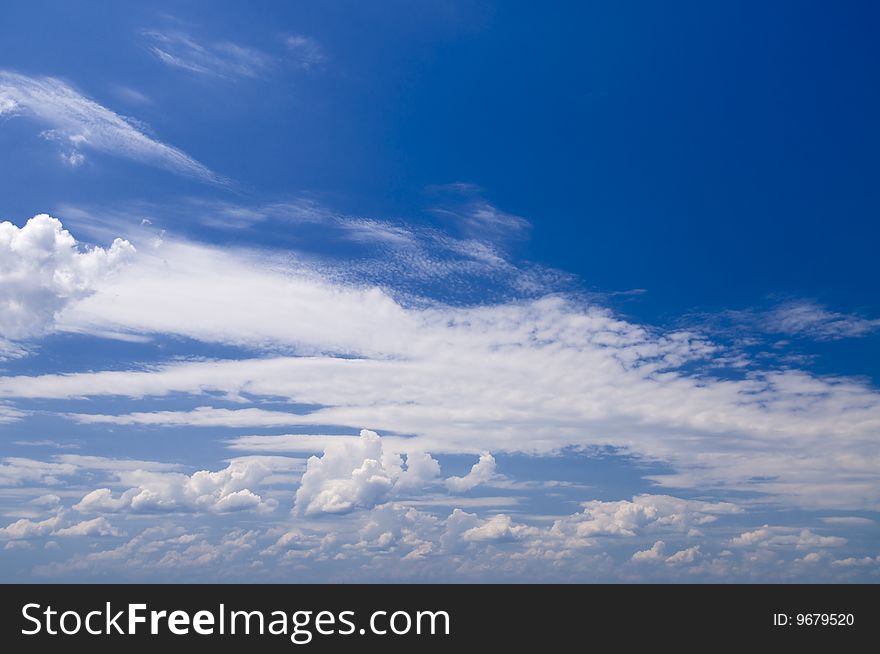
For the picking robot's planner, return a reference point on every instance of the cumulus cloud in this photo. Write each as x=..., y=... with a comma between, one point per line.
x=99, y=526
x=361, y=474
x=687, y=555
x=223, y=491
x=643, y=512
x=27, y=528
x=481, y=472
x=80, y=124
x=654, y=553
x=43, y=269
x=768, y=536
x=497, y=528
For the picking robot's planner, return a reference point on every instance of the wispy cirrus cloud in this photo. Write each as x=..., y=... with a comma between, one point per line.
x=304, y=52
x=225, y=59
x=791, y=318
x=179, y=49
x=464, y=207
x=80, y=123
x=812, y=320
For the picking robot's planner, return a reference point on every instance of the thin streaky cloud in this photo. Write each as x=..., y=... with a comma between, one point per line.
x=179, y=49
x=82, y=124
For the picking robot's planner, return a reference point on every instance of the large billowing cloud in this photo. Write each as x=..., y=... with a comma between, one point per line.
x=360, y=473
x=43, y=269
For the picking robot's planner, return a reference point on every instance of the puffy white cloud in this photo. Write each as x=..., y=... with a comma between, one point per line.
x=222, y=491
x=644, y=512
x=79, y=123
x=654, y=553
x=361, y=474
x=49, y=500
x=688, y=555
x=42, y=269
x=787, y=537
x=26, y=528
x=481, y=472
x=99, y=526
x=498, y=527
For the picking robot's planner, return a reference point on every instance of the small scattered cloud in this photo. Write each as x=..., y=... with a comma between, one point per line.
x=654, y=553
x=768, y=536
x=687, y=555
x=99, y=526
x=482, y=472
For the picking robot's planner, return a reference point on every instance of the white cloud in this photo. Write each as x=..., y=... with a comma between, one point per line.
x=654, y=553
x=768, y=536
x=854, y=521
x=15, y=471
x=688, y=555
x=482, y=472
x=532, y=376
x=474, y=216
x=221, y=59
x=49, y=500
x=99, y=526
x=359, y=474
x=222, y=491
x=812, y=320
x=497, y=528
x=26, y=528
x=43, y=269
x=80, y=123
x=644, y=512
x=7, y=413
x=852, y=562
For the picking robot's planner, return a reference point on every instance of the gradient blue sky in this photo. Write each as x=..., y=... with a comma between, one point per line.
x=598, y=279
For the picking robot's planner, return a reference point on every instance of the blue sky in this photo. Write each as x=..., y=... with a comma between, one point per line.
x=439, y=291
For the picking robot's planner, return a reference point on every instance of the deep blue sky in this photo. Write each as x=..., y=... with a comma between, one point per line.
x=689, y=165
x=711, y=153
